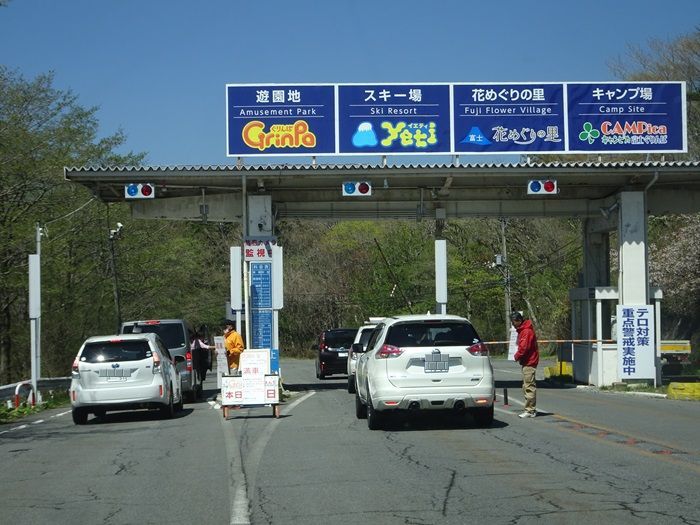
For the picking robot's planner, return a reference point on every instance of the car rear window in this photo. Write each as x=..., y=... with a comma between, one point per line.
x=172, y=334
x=433, y=333
x=110, y=351
x=337, y=338
x=365, y=335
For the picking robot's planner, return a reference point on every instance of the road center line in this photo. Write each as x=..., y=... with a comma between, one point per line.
x=238, y=481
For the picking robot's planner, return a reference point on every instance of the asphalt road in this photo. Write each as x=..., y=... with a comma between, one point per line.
x=589, y=455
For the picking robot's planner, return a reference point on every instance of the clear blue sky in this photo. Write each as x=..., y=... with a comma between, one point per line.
x=157, y=69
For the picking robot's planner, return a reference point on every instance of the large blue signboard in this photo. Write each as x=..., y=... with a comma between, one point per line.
x=394, y=118
x=627, y=117
x=476, y=118
x=509, y=118
x=280, y=120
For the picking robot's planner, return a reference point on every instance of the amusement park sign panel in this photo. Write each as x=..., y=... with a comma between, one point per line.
x=474, y=118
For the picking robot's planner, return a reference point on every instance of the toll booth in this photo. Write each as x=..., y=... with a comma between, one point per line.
x=594, y=350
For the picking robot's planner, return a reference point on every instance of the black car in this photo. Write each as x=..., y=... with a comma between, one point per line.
x=332, y=354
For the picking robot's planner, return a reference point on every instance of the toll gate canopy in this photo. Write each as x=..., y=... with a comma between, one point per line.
x=411, y=191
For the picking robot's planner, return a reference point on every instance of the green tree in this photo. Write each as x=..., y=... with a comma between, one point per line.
x=43, y=129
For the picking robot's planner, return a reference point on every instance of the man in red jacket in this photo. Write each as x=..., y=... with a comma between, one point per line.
x=528, y=356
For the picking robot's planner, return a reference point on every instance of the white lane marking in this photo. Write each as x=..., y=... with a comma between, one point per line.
x=518, y=372
x=237, y=488
x=238, y=485
x=21, y=427
x=256, y=452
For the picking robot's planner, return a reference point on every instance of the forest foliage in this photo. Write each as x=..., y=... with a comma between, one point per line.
x=336, y=273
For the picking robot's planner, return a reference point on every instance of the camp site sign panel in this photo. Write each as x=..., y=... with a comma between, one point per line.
x=456, y=118
x=627, y=117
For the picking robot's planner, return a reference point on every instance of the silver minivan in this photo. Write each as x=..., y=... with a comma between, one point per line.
x=124, y=372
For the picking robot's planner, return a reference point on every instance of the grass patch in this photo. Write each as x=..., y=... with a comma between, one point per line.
x=50, y=400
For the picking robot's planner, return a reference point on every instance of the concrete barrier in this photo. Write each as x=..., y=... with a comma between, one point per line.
x=683, y=391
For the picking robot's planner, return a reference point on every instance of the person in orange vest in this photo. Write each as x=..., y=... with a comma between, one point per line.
x=234, y=346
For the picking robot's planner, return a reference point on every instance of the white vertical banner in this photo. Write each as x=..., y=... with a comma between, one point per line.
x=34, y=286
x=636, y=342
x=441, y=271
x=221, y=361
x=236, y=285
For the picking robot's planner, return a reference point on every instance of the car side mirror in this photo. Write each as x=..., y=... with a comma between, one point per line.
x=358, y=348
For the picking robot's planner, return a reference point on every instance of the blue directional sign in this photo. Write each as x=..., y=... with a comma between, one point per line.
x=470, y=118
x=261, y=328
x=394, y=118
x=261, y=285
x=509, y=118
x=280, y=120
x=630, y=117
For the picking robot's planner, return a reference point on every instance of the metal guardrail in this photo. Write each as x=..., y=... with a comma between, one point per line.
x=45, y=384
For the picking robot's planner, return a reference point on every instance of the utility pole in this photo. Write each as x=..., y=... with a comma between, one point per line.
x=506, y=276
x=113, y=236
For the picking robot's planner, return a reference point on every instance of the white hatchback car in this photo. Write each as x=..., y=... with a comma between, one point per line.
x=424, y=362
x=124, y=372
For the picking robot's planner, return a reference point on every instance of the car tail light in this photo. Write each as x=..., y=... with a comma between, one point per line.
x=75, y=368
x=479, y=349
x=160, y=390
x=188, y=363
x=156, y=363
x=389, y=352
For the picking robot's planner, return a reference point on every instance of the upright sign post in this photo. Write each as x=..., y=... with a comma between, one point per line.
x=34, y=319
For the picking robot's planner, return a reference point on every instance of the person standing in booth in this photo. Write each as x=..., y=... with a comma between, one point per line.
x=234, y=346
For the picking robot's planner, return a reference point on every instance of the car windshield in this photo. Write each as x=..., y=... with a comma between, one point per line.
x=111, y=351
x=432, y=333
x=338, y=338
x=171, y=333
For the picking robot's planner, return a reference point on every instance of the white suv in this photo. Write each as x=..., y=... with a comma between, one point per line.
x=361, y=338
x=424, y=362
x=124, y=372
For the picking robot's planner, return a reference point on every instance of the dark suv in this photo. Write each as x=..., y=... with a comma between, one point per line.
x=332, y=354
x=176, y=334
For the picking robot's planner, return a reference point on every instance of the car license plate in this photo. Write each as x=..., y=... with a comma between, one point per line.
x=436, y=363
x=116, y=379
x=342, y=354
